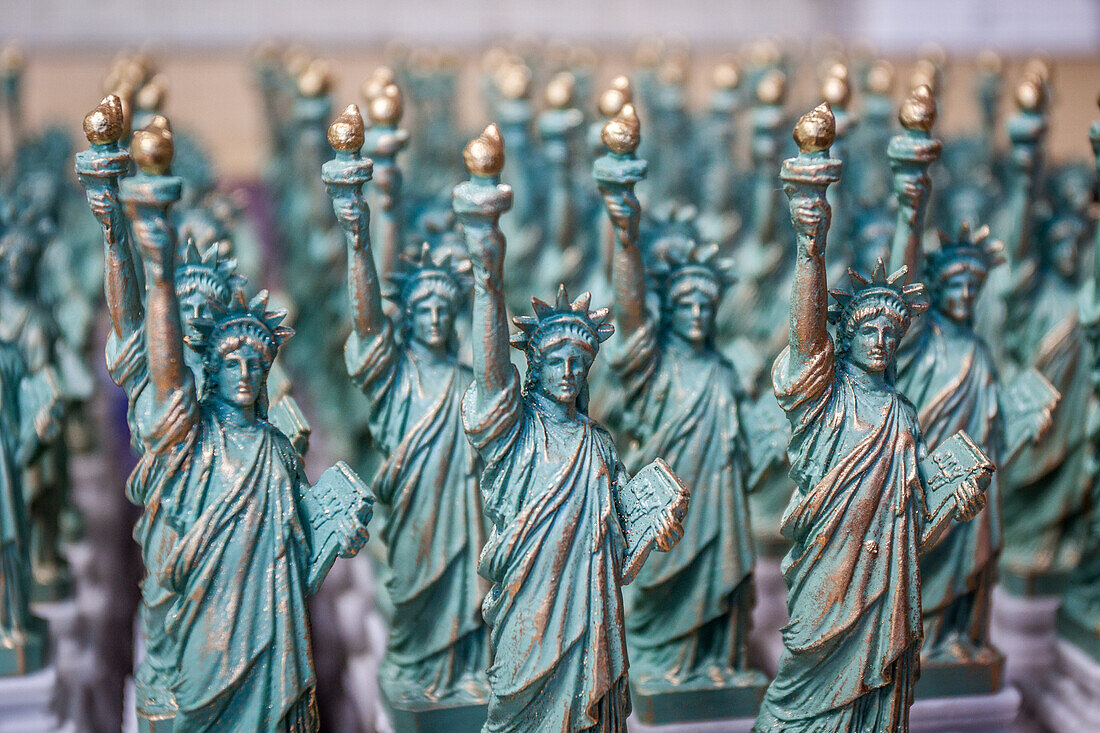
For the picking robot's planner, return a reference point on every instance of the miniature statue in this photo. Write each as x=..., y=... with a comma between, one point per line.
x=690, y=612
x=948, y=372
x=384, y=140
x=246, y=537
x=568, y=529
x=437, y=653
x=1046, y=489
x=30, y=412
x=866, y=505
x=717, y=141
x=564, y=251
x=200, y=278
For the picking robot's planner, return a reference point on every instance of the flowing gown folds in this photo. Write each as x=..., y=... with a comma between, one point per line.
x=851, y=649
x=554, y=556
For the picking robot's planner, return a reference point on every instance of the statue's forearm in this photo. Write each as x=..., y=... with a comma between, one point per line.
x=492, y=365
x=120, y=273
x=809, y=306
x=630, y=289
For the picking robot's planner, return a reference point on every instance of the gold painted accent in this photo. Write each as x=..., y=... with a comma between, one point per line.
x=765, y=52
x=726, y=75
x=104, y=123
x=346, y=131
x=623, y=134
x=611, y=101
x=1040, y=67
x=12, y=57
x=881, y=77
x=296, y=60
x=1030, y=94
x=484, y=155
x=772, y=88
x=925, y=73
x=387, y=107
x=377, y=82
x=990, y=61
x=316, y=80
x=673, y=71
x=152, y=95
x=816, y=130
x=152, y=147
x=514, y=81
x=918, y=111
x=559, y=92
x=835, y=90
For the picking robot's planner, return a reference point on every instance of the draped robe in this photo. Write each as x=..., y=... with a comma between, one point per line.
x=554, y=556
x=689, y=610
x=946, y=370
x=15, y=575
x=235, y=557
x=433, y=528
x=851, y=648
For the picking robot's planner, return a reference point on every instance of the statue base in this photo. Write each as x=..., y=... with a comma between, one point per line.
x=1080, y=633
x=1068, y=699
x=409, y=718
x=769, y=615
x=28, y=658
x=1021, y=583
x=1022, y=627
x=944, y=678
x=658, y=703
x=25, y=703
x=728, y=725
x=996, y=713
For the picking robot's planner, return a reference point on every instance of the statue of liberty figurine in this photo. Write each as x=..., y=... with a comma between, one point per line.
x=201, y=277
x=948, y=372
x=30, y=419
x=436, y=654
x=690, y=610
x=867, y=502
x=568, y=529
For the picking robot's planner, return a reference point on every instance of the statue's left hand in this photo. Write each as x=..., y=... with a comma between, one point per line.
x=670, y=533
x=969, y=500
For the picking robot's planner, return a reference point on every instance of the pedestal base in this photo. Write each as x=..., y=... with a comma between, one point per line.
x=728, y=725
x=981, y=676
x=429, y=719
x=967, y=713
x=663, y=704
x=31, y=656
x=769, y=615
x=25, y=703
x=1069, y=698
x=1022, y=627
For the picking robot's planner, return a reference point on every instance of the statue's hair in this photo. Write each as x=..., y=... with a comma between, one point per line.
x=421, y=274
x=206, y=272
x=687, y=266
x=878, y=296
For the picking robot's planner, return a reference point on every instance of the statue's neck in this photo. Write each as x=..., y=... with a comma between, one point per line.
x=235, y=415
x=430, y=355
x=562, y=412
x=684, y=347
x=872, y=381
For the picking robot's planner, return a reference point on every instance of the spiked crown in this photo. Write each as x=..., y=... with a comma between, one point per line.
x=562, y=320
x=966, y=252
x=240, y=321
x=686, y=265
x=421, y=273
x=206, y=272
x=869, y=296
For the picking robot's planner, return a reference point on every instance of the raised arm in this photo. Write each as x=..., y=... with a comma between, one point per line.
x=478, y=203
x=148, y=196
x=1025, y=131
x=384, y=141
x=344, y=177
x=805, y=180
x=616, y=174
x=99, y=169
x=910, y=155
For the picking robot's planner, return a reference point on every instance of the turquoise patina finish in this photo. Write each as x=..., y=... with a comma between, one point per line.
x=567, y=528
x=689, y=611
x=865, y=506
x=949, y=374
x=437, y=652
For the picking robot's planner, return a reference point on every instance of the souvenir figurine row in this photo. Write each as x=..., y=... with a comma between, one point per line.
x=904, y=447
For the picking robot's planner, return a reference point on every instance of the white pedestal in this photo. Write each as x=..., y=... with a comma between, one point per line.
x=1068, y=699
x=25, y=703
x=995, y=713
x=770, y=614
x=730, y=725
x=1023, y=629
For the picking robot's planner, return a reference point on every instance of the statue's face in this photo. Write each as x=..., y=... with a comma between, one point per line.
x=692, y=317
x=957, y=295
x=873, y=344
x=192, y=306
x=431, y=319
x=1064, y=257
x=563, y=373
x=240, y=376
